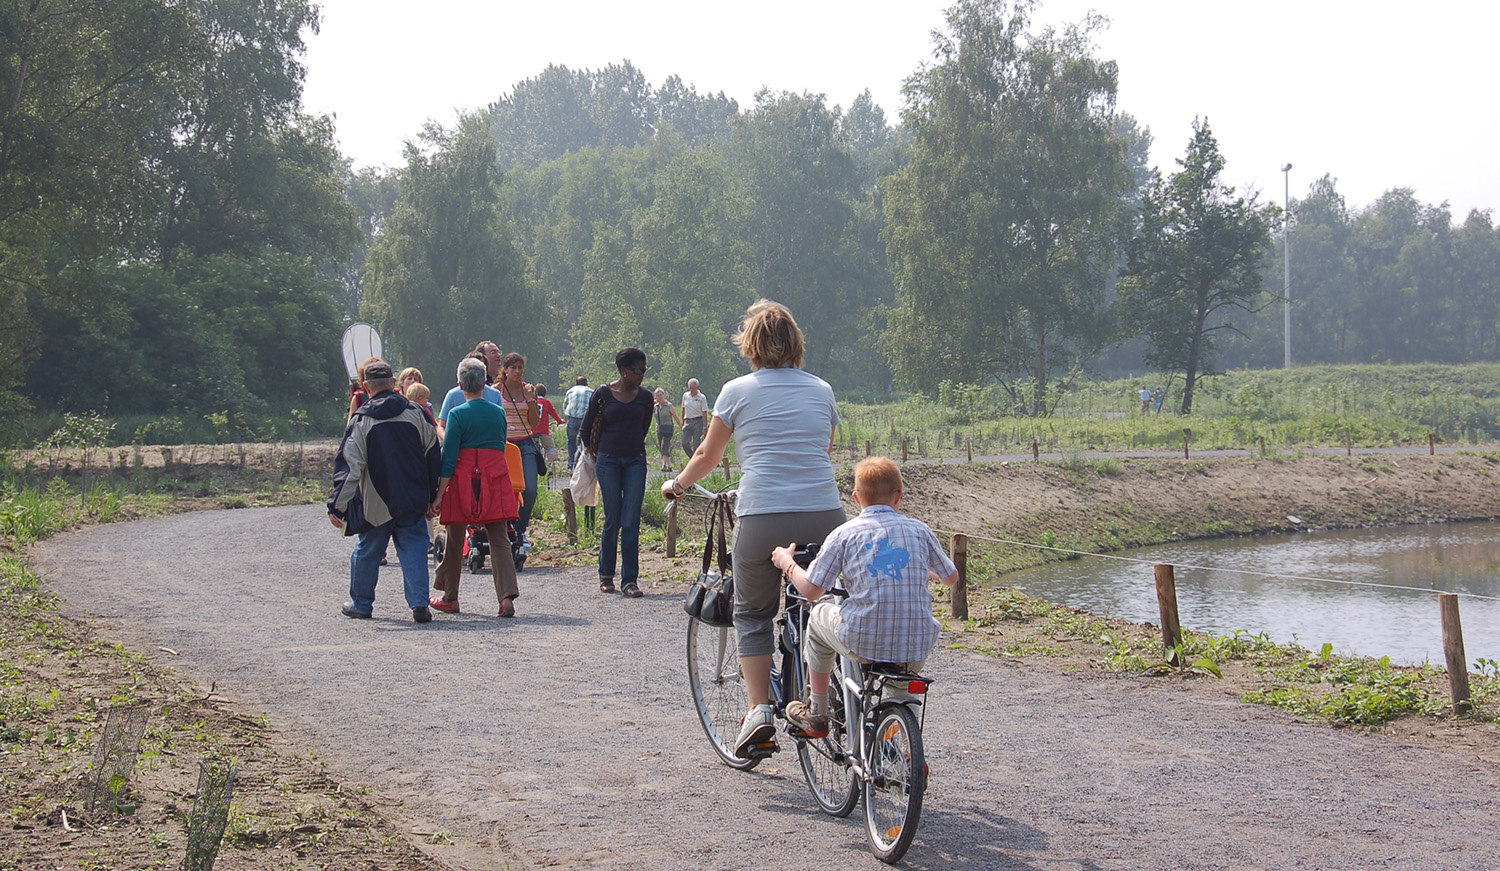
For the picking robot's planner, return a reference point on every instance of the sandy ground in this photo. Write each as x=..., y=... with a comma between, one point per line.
x=566, y=738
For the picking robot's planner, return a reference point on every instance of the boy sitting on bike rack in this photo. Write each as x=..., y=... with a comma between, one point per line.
x=885, y=559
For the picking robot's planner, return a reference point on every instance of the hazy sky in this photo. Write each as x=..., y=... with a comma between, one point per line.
x=1376, y=93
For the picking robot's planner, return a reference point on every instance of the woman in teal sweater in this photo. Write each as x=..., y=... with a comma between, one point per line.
x=480, y=494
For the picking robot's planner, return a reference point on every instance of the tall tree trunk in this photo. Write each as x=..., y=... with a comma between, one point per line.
x=1191, y=380
x=1039, y=376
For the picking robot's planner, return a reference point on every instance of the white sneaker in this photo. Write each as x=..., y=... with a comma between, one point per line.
x=758, y=727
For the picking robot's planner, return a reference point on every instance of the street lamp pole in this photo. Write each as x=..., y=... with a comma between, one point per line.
x=1286, y=251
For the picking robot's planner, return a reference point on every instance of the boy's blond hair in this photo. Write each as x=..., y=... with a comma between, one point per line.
x=418, y=392
x=877, y=480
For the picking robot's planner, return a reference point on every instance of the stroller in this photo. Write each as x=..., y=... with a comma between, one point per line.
x=477, y=539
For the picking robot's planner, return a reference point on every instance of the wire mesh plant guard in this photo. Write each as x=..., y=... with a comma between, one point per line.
x=115, y=757
x=210, y=815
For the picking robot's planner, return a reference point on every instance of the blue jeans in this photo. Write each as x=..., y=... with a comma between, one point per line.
x=529, y=457
x=574, y=425
x=622, y=487
x=411, y=550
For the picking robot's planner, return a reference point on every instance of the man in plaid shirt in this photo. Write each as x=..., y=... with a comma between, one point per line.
x=575, y=406
x=885, y=560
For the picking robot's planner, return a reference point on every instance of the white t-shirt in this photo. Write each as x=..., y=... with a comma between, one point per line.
x=782, y=420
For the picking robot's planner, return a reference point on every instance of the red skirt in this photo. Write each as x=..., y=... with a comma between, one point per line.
x=480, y=491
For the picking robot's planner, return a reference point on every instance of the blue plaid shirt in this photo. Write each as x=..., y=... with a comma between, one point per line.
x=883, y=557
x=576, y=400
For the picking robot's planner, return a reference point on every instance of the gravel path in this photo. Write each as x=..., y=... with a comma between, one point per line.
x=566, y=738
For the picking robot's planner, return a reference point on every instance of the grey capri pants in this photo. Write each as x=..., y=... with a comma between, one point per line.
x=757, y=583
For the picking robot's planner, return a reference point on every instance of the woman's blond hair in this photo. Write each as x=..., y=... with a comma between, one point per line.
x=769, y=336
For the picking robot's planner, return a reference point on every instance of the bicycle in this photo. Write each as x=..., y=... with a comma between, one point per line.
x=884, y=757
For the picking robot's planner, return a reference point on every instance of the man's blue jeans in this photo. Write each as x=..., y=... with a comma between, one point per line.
x=622, y=487
x=574, y=425
x=411, y=549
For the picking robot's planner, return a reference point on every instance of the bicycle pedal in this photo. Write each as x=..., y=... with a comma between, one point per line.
x=761, y=751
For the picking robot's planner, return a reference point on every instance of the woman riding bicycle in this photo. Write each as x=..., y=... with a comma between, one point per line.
x=782, y=419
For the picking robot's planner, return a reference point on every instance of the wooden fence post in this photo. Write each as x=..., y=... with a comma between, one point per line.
x=1036, y=451
x=672, y=528
x=959, y=547
x=1166, y=601
x=570, y=515
x=1453, y=651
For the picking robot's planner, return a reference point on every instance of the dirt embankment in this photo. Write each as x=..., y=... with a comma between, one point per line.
x=1111, y=504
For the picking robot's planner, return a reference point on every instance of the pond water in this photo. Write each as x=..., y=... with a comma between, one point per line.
x=1369, y=619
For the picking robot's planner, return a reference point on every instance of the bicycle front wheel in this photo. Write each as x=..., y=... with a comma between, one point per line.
x=718, y=688
x=825, y=761
x=898, y=777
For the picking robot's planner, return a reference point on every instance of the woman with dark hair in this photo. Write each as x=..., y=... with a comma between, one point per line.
x=782, y=420
x=522, y=414
x=614, y=431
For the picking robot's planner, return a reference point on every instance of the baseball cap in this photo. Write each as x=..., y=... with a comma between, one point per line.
x=378, y=370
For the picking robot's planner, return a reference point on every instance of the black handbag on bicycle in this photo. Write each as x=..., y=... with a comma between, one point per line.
x=711, y=597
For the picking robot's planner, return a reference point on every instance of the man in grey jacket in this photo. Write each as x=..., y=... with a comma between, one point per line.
x=385, y=478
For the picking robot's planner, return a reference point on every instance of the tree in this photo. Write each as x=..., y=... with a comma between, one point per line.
x=560, y=207
x=561, y=111
x=1324, y=276
x=807, y=248
x=698, y=119
x=372, y=193
x=689, y=269
x=154, y=164
x=1476, y=304
x=1004, y=225
x=80, y=88
x=1200, y=250
x=245, y=169
x=444, y=273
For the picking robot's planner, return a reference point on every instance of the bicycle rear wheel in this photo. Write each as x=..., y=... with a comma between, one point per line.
x=825, y=761
x=898, y=777
x=718, y=688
